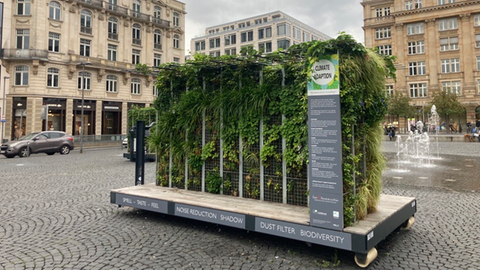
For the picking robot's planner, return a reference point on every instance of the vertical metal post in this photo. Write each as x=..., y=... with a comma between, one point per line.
x=262, y=168
x=46, y=117
x=353, y=174
x=284, y=146
x=82, y=128
x=3, y=109
x=140, y=154
x=203, y=140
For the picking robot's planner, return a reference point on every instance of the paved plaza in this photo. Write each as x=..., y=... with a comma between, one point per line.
x=55, y=213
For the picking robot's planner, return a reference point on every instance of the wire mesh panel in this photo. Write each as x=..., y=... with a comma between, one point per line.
x=251, y=171
x=230, y=172
x=178, y=172
x=163, y=169
x=195, y=162
x=273, y=185
x=297, y=187
x=211, y=150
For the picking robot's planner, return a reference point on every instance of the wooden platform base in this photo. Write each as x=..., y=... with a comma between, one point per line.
x=283, y=220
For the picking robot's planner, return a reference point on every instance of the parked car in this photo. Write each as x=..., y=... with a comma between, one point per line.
x=125, y=142
x=49, y=142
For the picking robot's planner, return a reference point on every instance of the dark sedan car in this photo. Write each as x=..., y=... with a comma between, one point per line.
x=49, y=142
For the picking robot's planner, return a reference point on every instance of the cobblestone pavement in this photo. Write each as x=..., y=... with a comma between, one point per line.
x=55, y=213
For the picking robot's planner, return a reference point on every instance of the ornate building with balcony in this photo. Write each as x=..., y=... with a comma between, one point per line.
x=56, y=52
x=266, y=33
x=437, y=45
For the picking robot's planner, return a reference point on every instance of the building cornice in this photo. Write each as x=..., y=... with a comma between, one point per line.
x=434, y=8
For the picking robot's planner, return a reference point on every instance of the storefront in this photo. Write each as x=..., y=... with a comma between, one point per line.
x=88, y=116
x=56, y=116
x=112, y=118
x=19, y=117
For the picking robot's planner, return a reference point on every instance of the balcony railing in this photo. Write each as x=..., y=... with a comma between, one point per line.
x=24, y=54
x=137, y=41
x=92, y=3
x=116, y=9
x=113, y=36
x=157, y=46
x=160, y=22
x=86, y=30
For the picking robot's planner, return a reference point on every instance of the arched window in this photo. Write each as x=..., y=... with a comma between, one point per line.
x=21, y=75
x=157, y=39
x=84, y=79
x=111, y=86
x=54, y=11
x=136, y=8
x=52, y=77
x=113, y=28
x=86, y=22
x=135, y=87
x=136, y=34
x=176, y=41
x=157, y=15
x=176, y=19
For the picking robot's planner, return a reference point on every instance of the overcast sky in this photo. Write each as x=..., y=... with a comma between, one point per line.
x=327, y=16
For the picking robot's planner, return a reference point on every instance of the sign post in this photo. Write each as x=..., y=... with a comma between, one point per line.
x=325, y=145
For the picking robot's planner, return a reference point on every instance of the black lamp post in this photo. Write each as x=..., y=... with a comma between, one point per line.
x=83, y=102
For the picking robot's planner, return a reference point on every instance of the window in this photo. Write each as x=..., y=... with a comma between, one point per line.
x=155, y=91
x=283, y=44
x=246, y=36
x=416, y=47
x=477, y=41
x=157, y=59
x=84, y=47
x=86, y=22
x=52, y=77
x=136, y=34
x=448, y=44
x=135, y=56
x=217, y=53
x=296, y=33
x=454, y=87
x=418, y=90
x=200, y=45
x=84, y=79
x=415, y=28
x=231, y=51
x=381, y=33
x=176, y=19
x=306, y=37
x=113, y=28
x=258, y=21
x=417, y=68
x=112, y=52
x=389, y=90
x=283, y=29
x=478, y=63
x=176, y=41
x=265, y=47
x=261, y=33
x=157, y=39
x=268, y=32
x=176, y=60
x=409, y=5
x=136, y=8
x=157, y=15
x=444, y=2
x=135, y=87
x=476, y=20
x=112, y=5
x=111, y=86
x=447, y=24
x=230, y=39
x=53, y=42
x=23, y=38
x=54, y=11
x=450, y=65
x=21, y=75
x=23, y=7
x=383, y=12
x=478, y=87
x=385, y=49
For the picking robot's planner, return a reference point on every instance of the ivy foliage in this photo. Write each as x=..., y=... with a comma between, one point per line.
x=246, y=89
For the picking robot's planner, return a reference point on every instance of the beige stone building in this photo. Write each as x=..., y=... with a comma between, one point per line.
x=266, y=32
x=437, y=45
x=55, y=50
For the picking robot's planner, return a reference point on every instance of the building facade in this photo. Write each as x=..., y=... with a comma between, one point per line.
x=437, y=45
x=58, y=53
x=267, y=33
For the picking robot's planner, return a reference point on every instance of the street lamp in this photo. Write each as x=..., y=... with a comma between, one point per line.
x=3, y=109
x=83, y=101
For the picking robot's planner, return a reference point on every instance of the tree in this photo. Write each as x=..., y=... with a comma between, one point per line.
x=399, y=106
x=447, y=104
